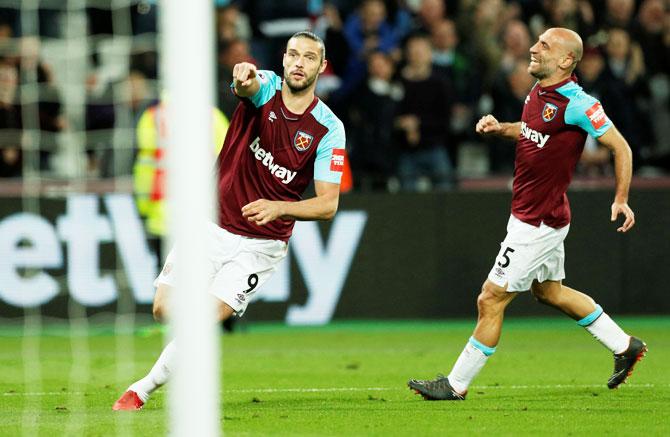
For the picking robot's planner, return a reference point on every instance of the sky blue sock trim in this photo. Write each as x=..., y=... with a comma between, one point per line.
x=488, y=351
x=586, y=321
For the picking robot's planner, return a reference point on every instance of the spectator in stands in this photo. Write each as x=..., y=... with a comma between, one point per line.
x=328, y=25
x=624, y=57
x=400, y=18
x=430, y=14
x=371, y=127
x=138, y=93
x=366, y=31
x=5, y=34
x=231, y=52
x=330, y=28
x=11, y=155
x=450, y=59
x=652, y=32
x=595, y=158
x=619, y=13
x=50, y=120
x=10, y=22
x=444, y=38
x=590, y=72
x=272, y=22
x=232, y=24
x=510, y=85
x=509, y=93
x=572, y=14
x=423, y=118
x=488, y=18
x=464, y=79
x=653, y=35
x=145, y=63
x=99, y=119
x=516, y=44
x=625, y=68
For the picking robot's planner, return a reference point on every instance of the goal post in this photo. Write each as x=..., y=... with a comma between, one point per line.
x=188, y=72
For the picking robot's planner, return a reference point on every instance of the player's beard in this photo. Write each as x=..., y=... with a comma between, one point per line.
x=299, y=87
x=539, y=73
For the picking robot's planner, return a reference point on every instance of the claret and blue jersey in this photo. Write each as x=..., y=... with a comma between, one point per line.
x=554, y=125
x=272, y=153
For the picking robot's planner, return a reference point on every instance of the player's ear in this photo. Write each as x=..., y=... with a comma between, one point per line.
x=322, y=68
x=566, y=61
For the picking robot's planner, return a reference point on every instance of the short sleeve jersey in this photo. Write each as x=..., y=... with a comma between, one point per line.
x=554, y=125
x=271, y=153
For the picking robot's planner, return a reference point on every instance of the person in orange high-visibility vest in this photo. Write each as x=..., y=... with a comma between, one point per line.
x=149, y=168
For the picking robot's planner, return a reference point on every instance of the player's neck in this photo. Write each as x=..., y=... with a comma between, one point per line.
x=297, y=102
x=553, y=80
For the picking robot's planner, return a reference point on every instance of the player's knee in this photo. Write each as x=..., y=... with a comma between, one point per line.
x=159, y=312
x=539, y=296
x=545, y=295
x=160, y=309
x=491, y=298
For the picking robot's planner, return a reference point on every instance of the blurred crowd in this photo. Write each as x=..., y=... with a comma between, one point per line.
x=408, y=78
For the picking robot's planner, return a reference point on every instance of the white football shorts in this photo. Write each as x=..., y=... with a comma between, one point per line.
x=529, y=253
x=238, y=266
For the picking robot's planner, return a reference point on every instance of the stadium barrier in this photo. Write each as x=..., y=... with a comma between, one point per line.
x=402, y=256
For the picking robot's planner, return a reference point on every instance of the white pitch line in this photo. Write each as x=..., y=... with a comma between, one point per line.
x=45, y=393
x=358, y=389
x=522, y=387
x=476, y=387
x=309, y=390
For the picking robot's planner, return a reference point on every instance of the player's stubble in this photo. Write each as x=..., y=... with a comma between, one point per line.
x=299, y=86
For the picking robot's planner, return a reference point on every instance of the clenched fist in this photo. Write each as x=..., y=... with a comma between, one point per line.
x=488, y=125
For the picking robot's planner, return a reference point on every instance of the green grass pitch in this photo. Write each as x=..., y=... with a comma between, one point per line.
x=547, y=378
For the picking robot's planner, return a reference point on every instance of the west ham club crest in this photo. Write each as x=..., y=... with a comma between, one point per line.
x=549, y=112
x=302, y=141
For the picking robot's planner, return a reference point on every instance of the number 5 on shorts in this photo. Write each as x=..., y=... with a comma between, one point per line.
x=504, y=255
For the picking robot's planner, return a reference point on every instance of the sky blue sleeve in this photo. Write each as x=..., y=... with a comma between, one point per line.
x=270, y=83
x=586, y=112
x=329, y=161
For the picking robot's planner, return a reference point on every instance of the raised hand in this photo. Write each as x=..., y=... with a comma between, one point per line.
x=244, y=74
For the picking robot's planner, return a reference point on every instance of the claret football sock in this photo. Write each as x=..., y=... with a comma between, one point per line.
x=605, y=330
x=158, y=375
x=468, y=364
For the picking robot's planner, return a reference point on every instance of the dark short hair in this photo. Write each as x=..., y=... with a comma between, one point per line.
x=314, y=37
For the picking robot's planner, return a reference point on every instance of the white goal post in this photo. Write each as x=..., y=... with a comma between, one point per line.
x=188, y=70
